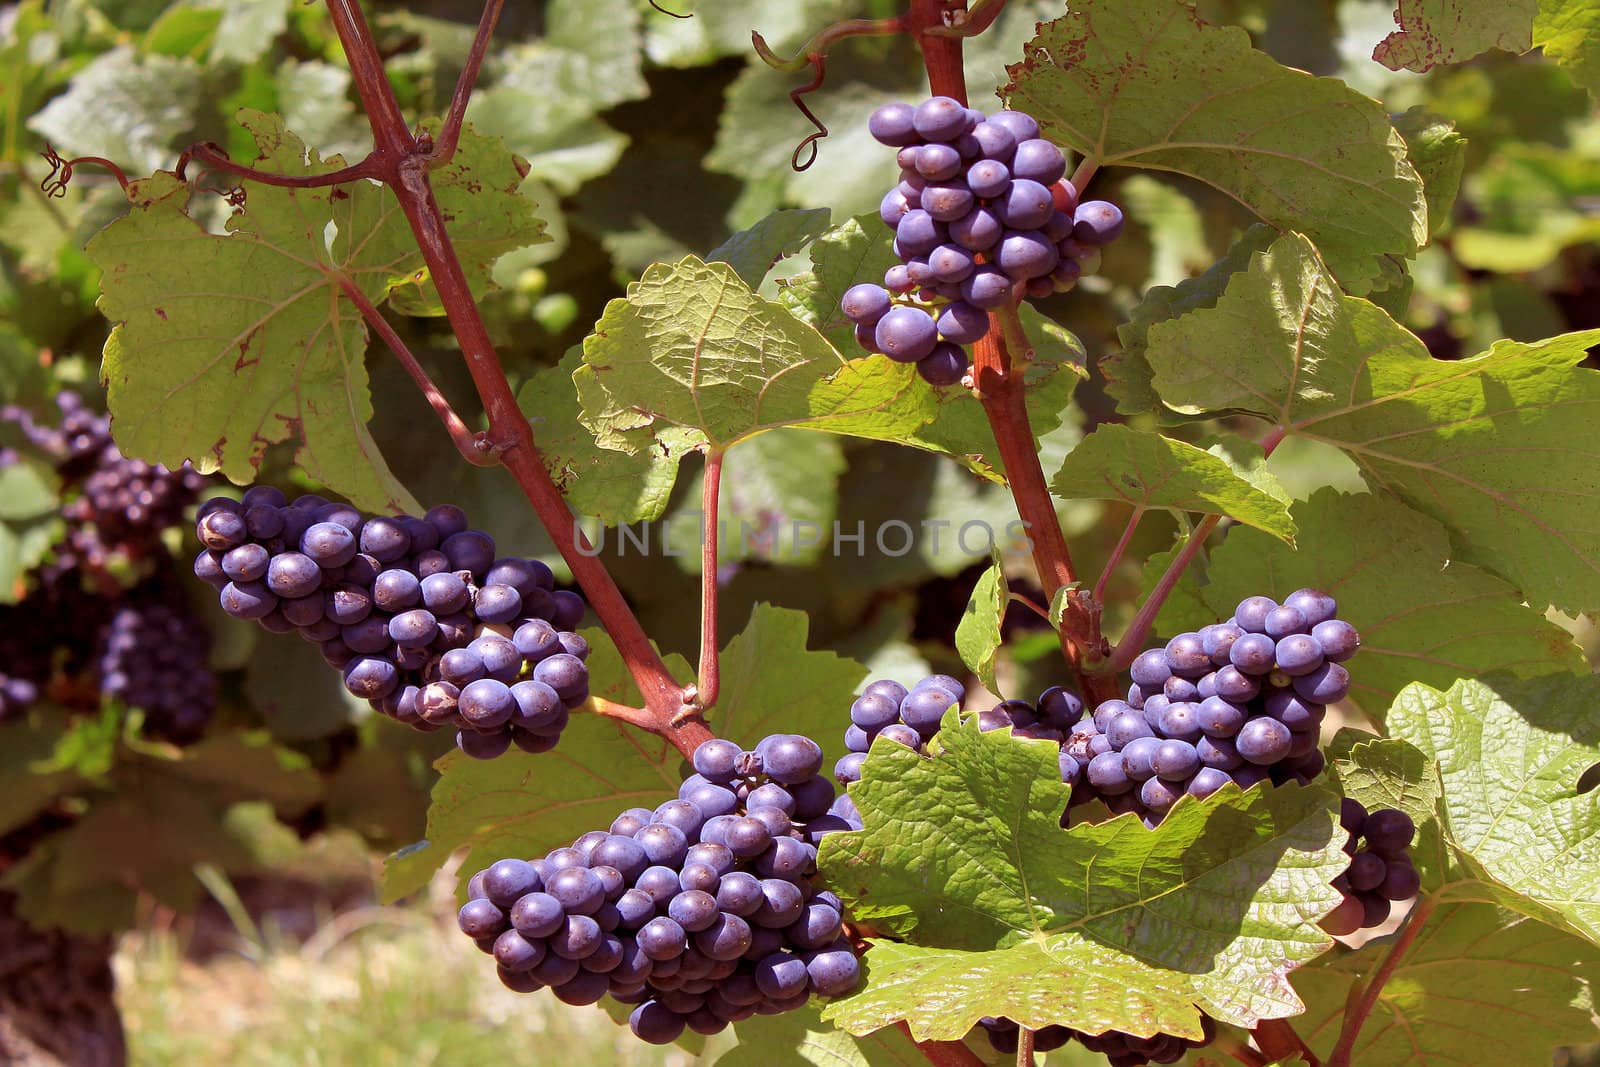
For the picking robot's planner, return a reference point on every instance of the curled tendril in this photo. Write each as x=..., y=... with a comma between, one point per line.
x=674, y=14
x=55, y=182
x=819, y=67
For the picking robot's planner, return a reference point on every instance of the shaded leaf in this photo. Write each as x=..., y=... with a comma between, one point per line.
x=978, y=632
x=754, y=252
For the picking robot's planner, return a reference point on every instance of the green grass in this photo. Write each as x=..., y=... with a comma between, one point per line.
x=376, y=986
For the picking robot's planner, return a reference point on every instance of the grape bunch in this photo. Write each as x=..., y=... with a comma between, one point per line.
x=114, y=505
x=154, y=654
x=911, y=718
x=1241, y=701
x=420, y=616
x=981, y=212
x=1380, y=871
x=1120, y=1049
x=47, y=636
x=700, y=913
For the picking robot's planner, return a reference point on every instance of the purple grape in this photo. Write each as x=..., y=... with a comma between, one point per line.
x=988, y=177
x=1096, y=222
x=1021, y=126
x=1159, y=794
x=1263, y=741
x=979, y=230
x=1219, y=717
x=1328, y=684
x=1126, y=726
x=945, y=365
x=497, y=604
x=987, y=288
x=897, y=279
x=1106, y=773
x=1217, y=639
x=865, y=304
x=247, y=600
x=951, y=263
x=995, y=141
x=1175, y=760
x=1207, y=780
x=396, y=590
x=1039, y=160
x=1338, y=639
x=940, y=119
x=938, y=162
x=1218, y=752
x=414, y=629
x=444, y=593
x=1026, y=254
x=1186, y=654
x=894, y=125
x=1254, y=654
x=1066, y=274
x=1025, y=205
x=1298, y=654
x=792, y=758
x=329, y=544
x=1283, y=621
x=1059, y=227
x=919, y=233
x=370, y=678
x=961, y=323
x=293, y=574
x=1314, y=604
x=906, y=334
x=1233, y=684
x=1176, y=688
x=1181, y=719
x=538, y=707
x=1251, y=614
x=1150, y=668
x=1389, y=832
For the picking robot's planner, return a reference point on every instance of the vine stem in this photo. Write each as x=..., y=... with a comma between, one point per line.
x=1116, y=553
x=466, y=442
x=1232, y=1046
x=450, y=131
x=403, y=166
x=1132, y=642
x=1024, y=1047
x=1356, y=1016
x=999, y=387
x=710, y=675
x=1279, y=1040
x=943, y=1053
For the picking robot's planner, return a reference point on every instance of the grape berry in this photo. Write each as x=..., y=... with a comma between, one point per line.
x=982, y=216
x=700, y=913
x=1380, y=872
x=419, y=615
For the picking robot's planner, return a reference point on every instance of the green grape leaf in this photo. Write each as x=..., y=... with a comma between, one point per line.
x=130, y=109
x=247, y=31
x=545, y=95
x=1569, y=32
x=780, y=492
x=1422, y=615
x=1473, y=988
x=1148, y=470
x=978, y=632
x=25, y=753
x=772, y=683
x=1438, y=153
x=612, y=486
x=181, y=30
x=525, y=805
x=1115, y=926
x=755, y=251
x=801, y=1037
x=1128, y=373
x=225, y=344
x=857, y=250
x=1452, y=439
x=1449, y=31
x=1386, y=772
x=1509, y=753
x=1303, y=153
x=694, y=358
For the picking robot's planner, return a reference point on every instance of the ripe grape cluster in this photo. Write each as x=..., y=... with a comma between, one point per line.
x=1241, y=701
x=422, y=618
x=700, y=913
x=114, y=505
x=154, y=654
x=981, y=212
x=1120, y=1049
x=77, y=631
x=1380, y=872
